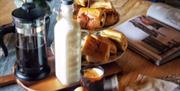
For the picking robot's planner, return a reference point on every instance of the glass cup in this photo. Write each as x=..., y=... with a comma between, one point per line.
x=92, y=78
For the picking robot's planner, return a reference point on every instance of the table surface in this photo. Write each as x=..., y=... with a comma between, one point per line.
x=131, y=63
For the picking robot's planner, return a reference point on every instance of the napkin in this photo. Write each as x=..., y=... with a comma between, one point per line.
x=145, y=83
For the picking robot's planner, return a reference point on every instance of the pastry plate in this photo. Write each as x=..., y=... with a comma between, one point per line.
x=112, y=58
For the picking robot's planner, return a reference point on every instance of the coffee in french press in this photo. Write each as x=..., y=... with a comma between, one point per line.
x=31, y=49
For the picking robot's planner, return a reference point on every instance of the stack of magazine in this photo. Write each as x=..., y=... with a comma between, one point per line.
x=156, y=35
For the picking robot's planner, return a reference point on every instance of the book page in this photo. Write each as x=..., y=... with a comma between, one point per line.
x=151, y=38
x=166, y=14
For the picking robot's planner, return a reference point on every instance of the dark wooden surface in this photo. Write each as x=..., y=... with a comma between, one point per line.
x=132, y=64
x=6, y=63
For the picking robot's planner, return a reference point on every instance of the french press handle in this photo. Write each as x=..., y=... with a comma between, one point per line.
x=5, y=29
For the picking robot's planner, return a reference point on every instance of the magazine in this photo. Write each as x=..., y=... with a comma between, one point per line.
x=156, y=35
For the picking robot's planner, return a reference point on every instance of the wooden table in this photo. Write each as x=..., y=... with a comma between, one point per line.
x=6, y=7
x=132, y=64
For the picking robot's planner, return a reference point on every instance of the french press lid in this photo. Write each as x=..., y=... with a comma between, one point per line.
x=28, y=13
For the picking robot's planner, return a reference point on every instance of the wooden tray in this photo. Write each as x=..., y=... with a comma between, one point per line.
x=51, y=83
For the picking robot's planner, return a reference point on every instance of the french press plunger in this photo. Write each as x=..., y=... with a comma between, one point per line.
x=29, y=22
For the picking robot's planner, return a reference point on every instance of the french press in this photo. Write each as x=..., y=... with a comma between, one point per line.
x=29, y=22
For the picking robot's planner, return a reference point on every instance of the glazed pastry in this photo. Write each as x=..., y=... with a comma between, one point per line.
x=119, y=37
x=91, y=18
x=81, y=2
x=95, y=50
x=97, y=18
x=102, y=4
x=113, y=48
x=112, y=17
x=98, y=15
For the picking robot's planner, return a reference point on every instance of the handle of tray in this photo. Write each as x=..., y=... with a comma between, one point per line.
x=7, y=80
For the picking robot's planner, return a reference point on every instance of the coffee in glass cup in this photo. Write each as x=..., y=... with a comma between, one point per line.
x=93, y=78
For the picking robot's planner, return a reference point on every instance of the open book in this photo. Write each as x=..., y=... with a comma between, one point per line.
x=156, y=36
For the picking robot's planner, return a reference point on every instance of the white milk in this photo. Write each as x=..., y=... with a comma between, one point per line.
x=67, y=39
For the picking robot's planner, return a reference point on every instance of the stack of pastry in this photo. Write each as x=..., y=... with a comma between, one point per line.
x=95, y=15
x=99, y=48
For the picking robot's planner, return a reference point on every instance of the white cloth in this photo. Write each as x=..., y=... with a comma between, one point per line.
x=144, y=83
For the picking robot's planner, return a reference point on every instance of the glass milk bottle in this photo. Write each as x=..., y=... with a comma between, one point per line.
x=67, y=39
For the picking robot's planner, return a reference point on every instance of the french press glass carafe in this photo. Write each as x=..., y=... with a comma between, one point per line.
x=31, y=42
x=29, y=22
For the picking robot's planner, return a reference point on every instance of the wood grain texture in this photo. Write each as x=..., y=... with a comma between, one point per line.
x=7, y=80
x=110, y=69
x=131, y=63
x=130, y=8
x=134, y=64
x=6, y=7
